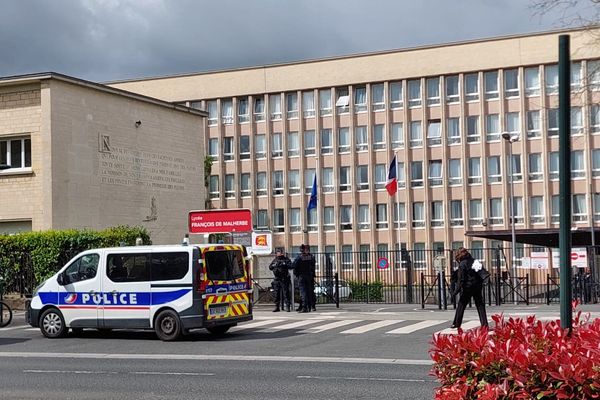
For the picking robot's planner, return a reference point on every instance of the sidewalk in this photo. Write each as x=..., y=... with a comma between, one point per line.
x=415, y=310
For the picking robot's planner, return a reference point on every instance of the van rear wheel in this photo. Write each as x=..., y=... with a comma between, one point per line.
x=52, y=324
x=219, y=330
x=168, y=326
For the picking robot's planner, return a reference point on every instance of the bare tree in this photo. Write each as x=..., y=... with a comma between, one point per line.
x=571, y=13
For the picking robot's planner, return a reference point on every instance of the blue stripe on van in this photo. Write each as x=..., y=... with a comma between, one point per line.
x=112, y=299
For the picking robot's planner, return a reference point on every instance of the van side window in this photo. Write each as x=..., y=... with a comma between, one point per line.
x=169, y=266
x=128, y=267
x=84, y=268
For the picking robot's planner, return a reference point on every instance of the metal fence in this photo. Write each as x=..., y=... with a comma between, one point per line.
x=424, y=277
x=386, y=277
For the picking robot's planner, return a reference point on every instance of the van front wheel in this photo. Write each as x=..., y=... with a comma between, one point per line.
x=167, y=326
x=52, y=324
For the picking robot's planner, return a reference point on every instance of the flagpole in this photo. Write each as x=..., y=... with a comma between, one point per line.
x=398, y=204
x=319, y=237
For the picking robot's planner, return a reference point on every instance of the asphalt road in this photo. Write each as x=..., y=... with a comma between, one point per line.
x=370, y=352
x=47, y=378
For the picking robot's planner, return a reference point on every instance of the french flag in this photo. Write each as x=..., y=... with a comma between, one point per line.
x=392, y=178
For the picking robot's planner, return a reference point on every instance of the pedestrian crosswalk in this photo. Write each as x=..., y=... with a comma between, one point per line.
x=350, y=326
x=372, y=326
x=316, y=325
x=330, y=323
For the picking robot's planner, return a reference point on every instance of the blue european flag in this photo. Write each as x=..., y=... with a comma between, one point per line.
x=312, y=203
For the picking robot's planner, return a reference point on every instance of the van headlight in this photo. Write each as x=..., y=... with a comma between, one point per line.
x=37, y=288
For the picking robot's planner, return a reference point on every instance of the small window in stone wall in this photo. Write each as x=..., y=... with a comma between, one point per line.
x=15, y=154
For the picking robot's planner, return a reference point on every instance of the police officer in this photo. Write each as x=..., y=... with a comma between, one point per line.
x=280, y=266
x=469, y=285
x=304, y=268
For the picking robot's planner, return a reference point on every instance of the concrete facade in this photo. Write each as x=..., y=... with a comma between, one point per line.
x=441, y=110
x=437, y=208
x=91, y=165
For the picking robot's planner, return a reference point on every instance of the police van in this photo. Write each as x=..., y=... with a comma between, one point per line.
x=171, y=289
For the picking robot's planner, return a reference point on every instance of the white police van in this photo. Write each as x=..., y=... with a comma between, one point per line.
x=170, y=289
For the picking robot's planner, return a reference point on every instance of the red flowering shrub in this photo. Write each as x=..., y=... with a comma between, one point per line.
x=519, y=359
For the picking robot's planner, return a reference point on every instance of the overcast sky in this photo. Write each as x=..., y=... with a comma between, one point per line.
x=103, y=40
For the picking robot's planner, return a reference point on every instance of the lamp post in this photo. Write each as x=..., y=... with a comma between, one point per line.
x=510, y=139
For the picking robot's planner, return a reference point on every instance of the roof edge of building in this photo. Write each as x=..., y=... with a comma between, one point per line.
x=41, y=76
x=355, y=55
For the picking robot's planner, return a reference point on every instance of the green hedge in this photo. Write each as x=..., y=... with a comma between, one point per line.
x=46, y=252
x=363, y=291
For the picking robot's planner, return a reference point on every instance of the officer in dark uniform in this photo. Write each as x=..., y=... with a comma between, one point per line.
x=281, y=282
x=469, y=285
x=304, y=268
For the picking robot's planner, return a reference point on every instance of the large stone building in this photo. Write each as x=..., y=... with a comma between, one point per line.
x=441, y=109
x=85, y=155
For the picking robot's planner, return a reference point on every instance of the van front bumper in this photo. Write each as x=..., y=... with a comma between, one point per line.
x=32, y=316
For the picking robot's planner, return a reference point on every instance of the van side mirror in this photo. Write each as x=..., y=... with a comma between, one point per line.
x=61, y=279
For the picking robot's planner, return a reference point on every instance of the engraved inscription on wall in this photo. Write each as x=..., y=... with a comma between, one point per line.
x=128, y=167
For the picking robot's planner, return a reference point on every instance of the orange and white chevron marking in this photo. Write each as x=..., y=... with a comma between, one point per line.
x=237, y=305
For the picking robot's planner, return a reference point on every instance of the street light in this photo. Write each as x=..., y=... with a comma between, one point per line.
x=510, y=139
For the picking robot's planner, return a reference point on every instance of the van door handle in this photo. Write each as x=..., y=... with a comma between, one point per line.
x=114, y=292
x=221, y=290
x=92, y=292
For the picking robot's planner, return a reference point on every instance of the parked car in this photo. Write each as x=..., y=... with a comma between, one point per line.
x=326, y=287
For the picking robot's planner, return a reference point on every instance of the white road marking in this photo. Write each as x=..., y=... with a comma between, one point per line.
x=257, y=324
x=292, y=325
x=215, y=357
x=465, y=326
x=331, y=325
x=352, y=378
x=271, y=317
x=416, y=326
x=54, y=371
x=171, y=373
x=373, y=326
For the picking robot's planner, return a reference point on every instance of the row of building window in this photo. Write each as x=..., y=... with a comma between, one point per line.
x=365, y=256
x=378, y=139
x=435, y=218
x=435, y=175
x=378, y=98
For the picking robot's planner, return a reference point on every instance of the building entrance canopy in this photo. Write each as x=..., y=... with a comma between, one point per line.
x=547, y=237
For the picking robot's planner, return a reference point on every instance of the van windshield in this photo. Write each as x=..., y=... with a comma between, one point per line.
x=224, y=265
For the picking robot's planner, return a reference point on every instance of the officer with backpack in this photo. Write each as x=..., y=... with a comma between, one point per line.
x=281, y=266
x=304, y=269
x=469, y=284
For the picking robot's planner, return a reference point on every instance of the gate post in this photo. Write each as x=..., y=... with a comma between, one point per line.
x=527, y=288
x=439, y=276
x=547, y=289
x=337, y=290
x=498, y=274
x=422, y=291
x=405, y=258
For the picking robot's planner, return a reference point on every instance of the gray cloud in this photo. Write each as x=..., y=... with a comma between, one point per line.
x=119, y=39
